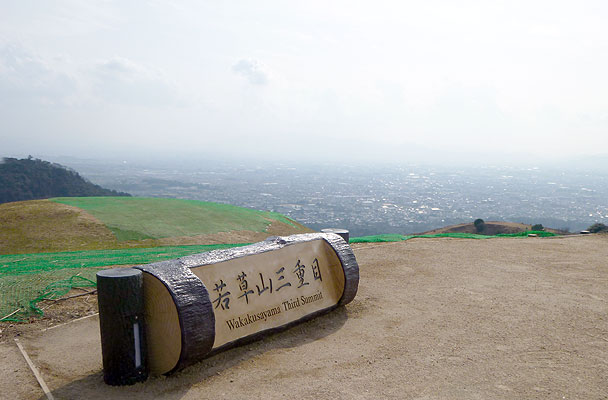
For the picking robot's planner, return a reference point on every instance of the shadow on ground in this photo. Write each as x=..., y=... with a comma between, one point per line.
x=178, y=384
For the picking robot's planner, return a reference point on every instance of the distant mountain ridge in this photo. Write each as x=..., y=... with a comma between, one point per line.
x=31, y=179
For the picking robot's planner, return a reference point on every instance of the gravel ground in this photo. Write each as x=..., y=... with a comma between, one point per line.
x=434, y=319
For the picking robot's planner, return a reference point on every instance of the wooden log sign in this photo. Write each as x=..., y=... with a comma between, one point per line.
x=198, y=305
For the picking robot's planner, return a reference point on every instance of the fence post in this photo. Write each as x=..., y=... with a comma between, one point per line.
x=121, y=322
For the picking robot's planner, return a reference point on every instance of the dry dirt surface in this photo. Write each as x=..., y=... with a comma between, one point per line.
x=508, y=318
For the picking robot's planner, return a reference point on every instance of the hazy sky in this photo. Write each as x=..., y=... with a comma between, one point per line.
x=308, y=79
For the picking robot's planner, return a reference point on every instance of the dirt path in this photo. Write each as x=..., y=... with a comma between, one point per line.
x=434, y=319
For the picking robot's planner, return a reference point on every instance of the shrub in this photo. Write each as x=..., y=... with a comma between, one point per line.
x=598, y=227
x=538, y=227
x=480, y=225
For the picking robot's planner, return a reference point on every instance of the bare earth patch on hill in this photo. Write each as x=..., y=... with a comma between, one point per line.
x=508, y=318
x=44, y=226
x=491, y=228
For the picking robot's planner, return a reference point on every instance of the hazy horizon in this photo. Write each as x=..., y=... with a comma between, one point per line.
x=369, y=199
x=349, y=81
x=185, y=161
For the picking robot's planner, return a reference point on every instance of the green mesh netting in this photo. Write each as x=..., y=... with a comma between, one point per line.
x=60, y=288
x=27, y=279
x=397, y=237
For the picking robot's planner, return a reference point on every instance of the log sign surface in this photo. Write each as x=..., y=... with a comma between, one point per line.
x=198, y=305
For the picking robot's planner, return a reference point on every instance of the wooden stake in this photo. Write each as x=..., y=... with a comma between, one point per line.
x=41, y=382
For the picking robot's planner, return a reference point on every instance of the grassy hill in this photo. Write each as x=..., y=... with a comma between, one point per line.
x=491, y=228
x=95, y=223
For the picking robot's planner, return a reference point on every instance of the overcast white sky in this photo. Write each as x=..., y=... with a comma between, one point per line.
x=370, y=80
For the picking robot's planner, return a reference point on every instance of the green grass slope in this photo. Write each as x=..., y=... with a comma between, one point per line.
x=49, y=246
x=133, y=218
x=91, y=223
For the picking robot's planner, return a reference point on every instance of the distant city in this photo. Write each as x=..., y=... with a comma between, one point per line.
x=374, y=200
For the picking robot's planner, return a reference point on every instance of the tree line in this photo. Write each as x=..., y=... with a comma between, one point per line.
x=32, y=178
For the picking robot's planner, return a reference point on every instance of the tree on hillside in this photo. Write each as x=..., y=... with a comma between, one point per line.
x=480, y=225
x=598, y=227
x=29, y=179
x=538, y=227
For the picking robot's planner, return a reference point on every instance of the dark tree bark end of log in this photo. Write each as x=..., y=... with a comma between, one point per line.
x=344, y=233
x=194, y=309
x=121, y=322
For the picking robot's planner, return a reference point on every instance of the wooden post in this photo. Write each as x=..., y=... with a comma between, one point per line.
x=343, y=233
x=121, y=322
